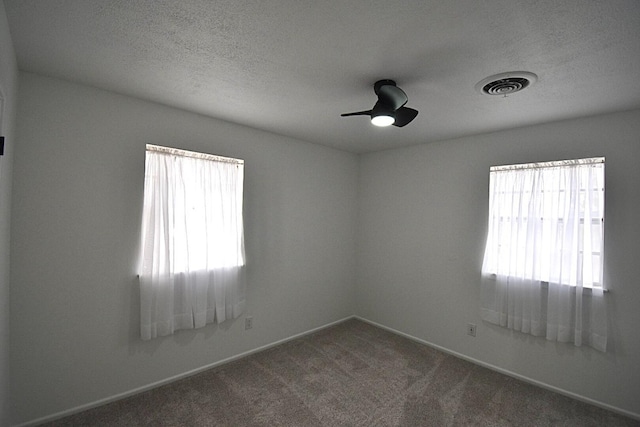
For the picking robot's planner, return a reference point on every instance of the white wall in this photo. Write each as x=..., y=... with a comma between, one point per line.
x=421, y=219
x=8, y=94
x=79, y=170
x=422, y=224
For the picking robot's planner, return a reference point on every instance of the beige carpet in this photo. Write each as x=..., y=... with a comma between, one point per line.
x=352, y=374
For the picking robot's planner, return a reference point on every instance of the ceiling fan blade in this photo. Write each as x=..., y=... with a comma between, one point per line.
x=404, y=116
x=357, y=113
x=392, y=96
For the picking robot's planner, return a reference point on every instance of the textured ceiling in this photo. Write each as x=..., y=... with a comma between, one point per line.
x=292, y=66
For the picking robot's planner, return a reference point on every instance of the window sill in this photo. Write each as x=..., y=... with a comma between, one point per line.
x=546, y=285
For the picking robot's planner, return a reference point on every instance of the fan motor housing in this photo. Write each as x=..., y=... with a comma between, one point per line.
x=380, y=83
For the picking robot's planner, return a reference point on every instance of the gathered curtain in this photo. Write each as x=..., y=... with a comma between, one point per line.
x=192, y=250
x=542, y=272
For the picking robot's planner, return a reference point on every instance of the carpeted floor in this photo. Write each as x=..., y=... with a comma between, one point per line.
x=352, y=374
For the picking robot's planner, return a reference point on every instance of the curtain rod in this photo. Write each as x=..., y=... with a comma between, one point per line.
x=552, y=164
x=193, y=154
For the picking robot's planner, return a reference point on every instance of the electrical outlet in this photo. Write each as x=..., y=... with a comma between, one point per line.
x=471, y=329
x=248, y=322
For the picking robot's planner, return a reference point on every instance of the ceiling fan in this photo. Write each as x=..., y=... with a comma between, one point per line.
x=390, y=109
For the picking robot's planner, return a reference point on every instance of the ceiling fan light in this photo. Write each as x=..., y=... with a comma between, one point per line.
x=383, y=120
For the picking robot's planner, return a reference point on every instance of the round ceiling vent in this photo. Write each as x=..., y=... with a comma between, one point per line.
x=506, y=83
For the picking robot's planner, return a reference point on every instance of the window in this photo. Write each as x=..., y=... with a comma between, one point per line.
x=545, y=246
x=544, y=215
x=192, y=247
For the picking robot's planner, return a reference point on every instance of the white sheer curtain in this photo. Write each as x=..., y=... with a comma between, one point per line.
x=192, y=250
x=543, y=265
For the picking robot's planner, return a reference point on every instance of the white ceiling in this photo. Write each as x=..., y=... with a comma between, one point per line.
x=292, y=66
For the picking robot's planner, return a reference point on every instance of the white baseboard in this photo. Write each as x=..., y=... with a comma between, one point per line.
x=174, y=378
x=507, y=372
